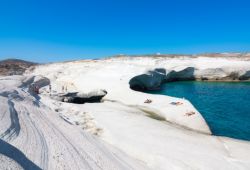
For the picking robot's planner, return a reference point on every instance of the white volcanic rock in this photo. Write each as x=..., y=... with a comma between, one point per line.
x=115, y=74
x=161, y=145
x=35, y=137
x=87, y=76
x=157, y=134
x=95, y=93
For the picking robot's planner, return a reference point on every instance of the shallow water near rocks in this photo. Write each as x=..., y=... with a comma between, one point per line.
x=225, y=106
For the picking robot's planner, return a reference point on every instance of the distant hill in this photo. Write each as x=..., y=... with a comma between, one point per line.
x=14, y=66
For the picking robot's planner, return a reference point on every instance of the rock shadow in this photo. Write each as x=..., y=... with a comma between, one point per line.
x=245, y=76
x=14, y=129
x=18, y=156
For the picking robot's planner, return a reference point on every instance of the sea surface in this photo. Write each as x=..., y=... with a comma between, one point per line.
x=224, y=105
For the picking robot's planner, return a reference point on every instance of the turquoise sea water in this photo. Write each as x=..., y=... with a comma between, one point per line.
x=225, y=106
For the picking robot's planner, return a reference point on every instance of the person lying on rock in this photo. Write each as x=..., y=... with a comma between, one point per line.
x=190, y=113
x=148, y=101
x=176, y=103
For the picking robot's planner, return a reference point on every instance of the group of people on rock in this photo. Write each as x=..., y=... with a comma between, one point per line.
x=35, y=88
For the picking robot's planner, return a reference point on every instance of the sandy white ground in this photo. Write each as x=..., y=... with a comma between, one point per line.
x=156, y=135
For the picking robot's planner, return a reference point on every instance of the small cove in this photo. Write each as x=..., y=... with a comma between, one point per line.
x=224, y=105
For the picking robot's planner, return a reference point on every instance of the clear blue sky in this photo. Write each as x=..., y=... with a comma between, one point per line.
x=56, y=30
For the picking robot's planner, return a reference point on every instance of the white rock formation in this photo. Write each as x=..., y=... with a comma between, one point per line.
x=35, y=137
x=154, y=135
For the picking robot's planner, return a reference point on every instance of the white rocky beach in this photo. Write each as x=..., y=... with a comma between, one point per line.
x=88, y=115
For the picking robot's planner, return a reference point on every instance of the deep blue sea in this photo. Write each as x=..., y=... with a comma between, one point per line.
x=225, y=106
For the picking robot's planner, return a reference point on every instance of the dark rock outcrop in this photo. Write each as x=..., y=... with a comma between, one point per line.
x=150, y=80
x=245, y=76
x=154, y=78
x=81, y=98
x=183, y=75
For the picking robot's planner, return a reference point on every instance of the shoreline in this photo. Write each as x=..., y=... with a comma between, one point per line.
x=197, y=80
x=222, y=104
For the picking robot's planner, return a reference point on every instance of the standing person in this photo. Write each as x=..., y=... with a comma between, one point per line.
x=62, y=88
x=36, y=89
x=66, y=89
x=50, y=89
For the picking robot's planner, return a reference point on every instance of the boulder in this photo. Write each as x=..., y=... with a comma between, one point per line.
x=81, y=98
x=182, y=75
x=150, y=80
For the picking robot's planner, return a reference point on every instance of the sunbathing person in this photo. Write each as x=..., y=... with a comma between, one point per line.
x=148, y=101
